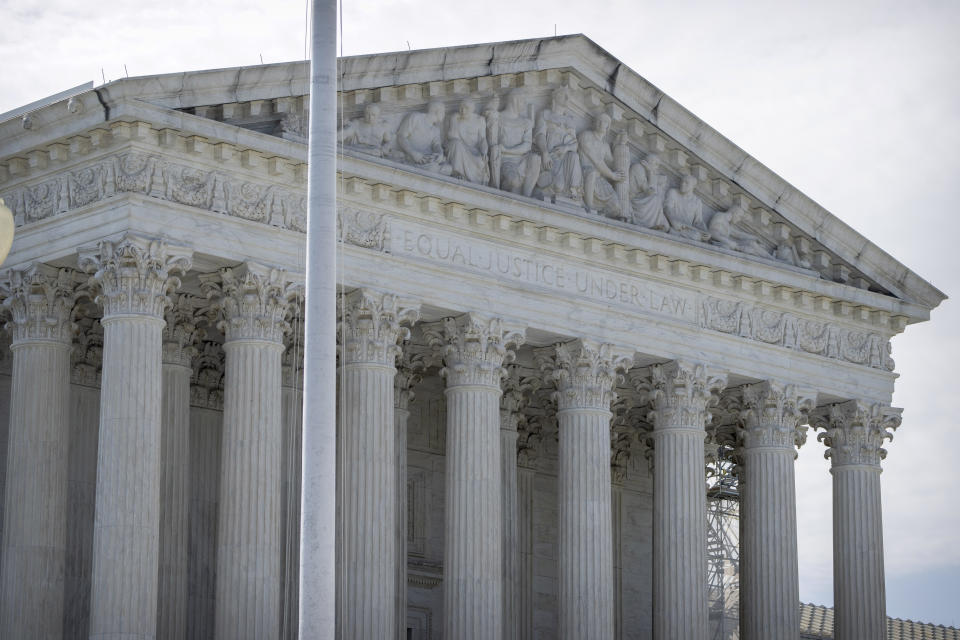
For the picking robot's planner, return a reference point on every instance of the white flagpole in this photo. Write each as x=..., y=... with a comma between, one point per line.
x=318, y=501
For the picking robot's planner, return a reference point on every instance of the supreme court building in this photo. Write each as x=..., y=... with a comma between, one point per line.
x=561, y=295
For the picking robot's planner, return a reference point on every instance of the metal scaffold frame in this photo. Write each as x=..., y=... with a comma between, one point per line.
x=723, y=546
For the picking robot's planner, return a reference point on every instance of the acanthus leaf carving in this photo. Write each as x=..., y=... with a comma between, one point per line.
x=253, y=301
x=585, y=372
x=854, y=431
x=682, y=395
x=773, y=414
x=475, y=347
x=371, y=327
x=40, y=301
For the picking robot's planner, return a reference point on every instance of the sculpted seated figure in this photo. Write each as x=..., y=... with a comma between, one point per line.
x=369, y=134
x=648, y=190
x=596, y=159
x=420, y=138
x=513, y=164
x=467, y=145
x=684, y=210
x=725, y=234
x=556, y=141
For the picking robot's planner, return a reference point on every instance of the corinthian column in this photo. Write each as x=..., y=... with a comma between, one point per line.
x=769, y=576
x=586, y=374
x=681, y=396
x=854, y=432
x=253, y=301
x=179, y=337
x=475, y=348
x=409, y=370
x=40, y=302
x=367, y=552
x=133, y=275
x=291, y=395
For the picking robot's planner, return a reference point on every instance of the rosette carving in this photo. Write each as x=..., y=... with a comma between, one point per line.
x=682, y=394
x=854, y=431
x=585, y=373
x=773, y=413
x=370, y=328
x=474, y=348
x=252, y=301
x=134, y=275
x=40, y=302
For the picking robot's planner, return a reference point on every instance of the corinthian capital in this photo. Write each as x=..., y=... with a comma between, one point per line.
x=252, y=301
x=854, y=431
x=410, y=368
x=682, y=394
x=40, y=300
x=181, y=333
x=772, y=414
x=371, y=328
x=585, y=373
x=134, y=274
x=516, y=394
x=474, y=348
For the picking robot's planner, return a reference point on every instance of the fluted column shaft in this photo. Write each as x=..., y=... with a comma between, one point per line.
x=474, y=353
x=253, y=302
x=34, y=535
x=291, y=396
x=769, y=578
x=854, y=433
x=133, y=275
x=525, y=605
x=511, y=549
x=586, y=374
x=366, y=595
x=408, y=376
x=681, y=395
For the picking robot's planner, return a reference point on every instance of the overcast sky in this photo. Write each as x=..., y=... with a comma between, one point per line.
x=856, y=104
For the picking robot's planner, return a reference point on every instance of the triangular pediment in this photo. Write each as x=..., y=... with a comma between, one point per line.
x=557, y=121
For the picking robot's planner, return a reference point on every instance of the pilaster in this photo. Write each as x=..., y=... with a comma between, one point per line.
x=682, y=394
x=40, y=301
x=585, y=373
x=370, y=331
x=134, y=276
x=475, y=347
x=770, y=431
x=253, y=301
x=854, y=433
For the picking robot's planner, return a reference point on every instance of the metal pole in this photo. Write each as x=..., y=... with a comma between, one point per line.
x=318, y=501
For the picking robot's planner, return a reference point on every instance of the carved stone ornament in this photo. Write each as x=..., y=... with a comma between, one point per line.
x=625, y=438
x=364, y=229
x=474, y=347
x=795, y=332
x=586, y=373
x=291, y=362
x=134, y=274
x=370, y=328
x=773, y=413
x=682, y=394
x=206, y=385
x=153, y=176
x=517, y=389
x=40, y=302
x=181, y=333
x=87, y=357
x=253, y=301
x=854, y=431
x=410, y=369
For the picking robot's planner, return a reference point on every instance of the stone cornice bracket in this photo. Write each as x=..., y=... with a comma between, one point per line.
x=371, y=327
x=854, y=431
x=134, y=274
x=517, y=389
x=773, y=414
x=40, y=301
x=475, y=347
x=682, y=394
x=252, y=299
x=411, y=366
x=181, y=333
x=585, y=372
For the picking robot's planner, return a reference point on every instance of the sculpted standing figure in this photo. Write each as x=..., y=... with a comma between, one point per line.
x=467, y=145
x=556, y=141
x=518, y=167
x=596, y=159
x=369, y=134
x=648, y=190
x=724, y=233
x=420, y=138
x=684, y=210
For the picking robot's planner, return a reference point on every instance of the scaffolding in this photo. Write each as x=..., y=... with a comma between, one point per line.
x=723, y=546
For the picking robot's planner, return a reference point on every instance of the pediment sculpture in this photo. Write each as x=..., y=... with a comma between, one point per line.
x=562, y=157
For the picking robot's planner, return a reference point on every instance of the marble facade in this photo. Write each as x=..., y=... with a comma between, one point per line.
x=556, y=285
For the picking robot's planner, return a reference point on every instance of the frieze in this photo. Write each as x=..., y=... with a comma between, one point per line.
x=153, y=176
x=791, y=331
